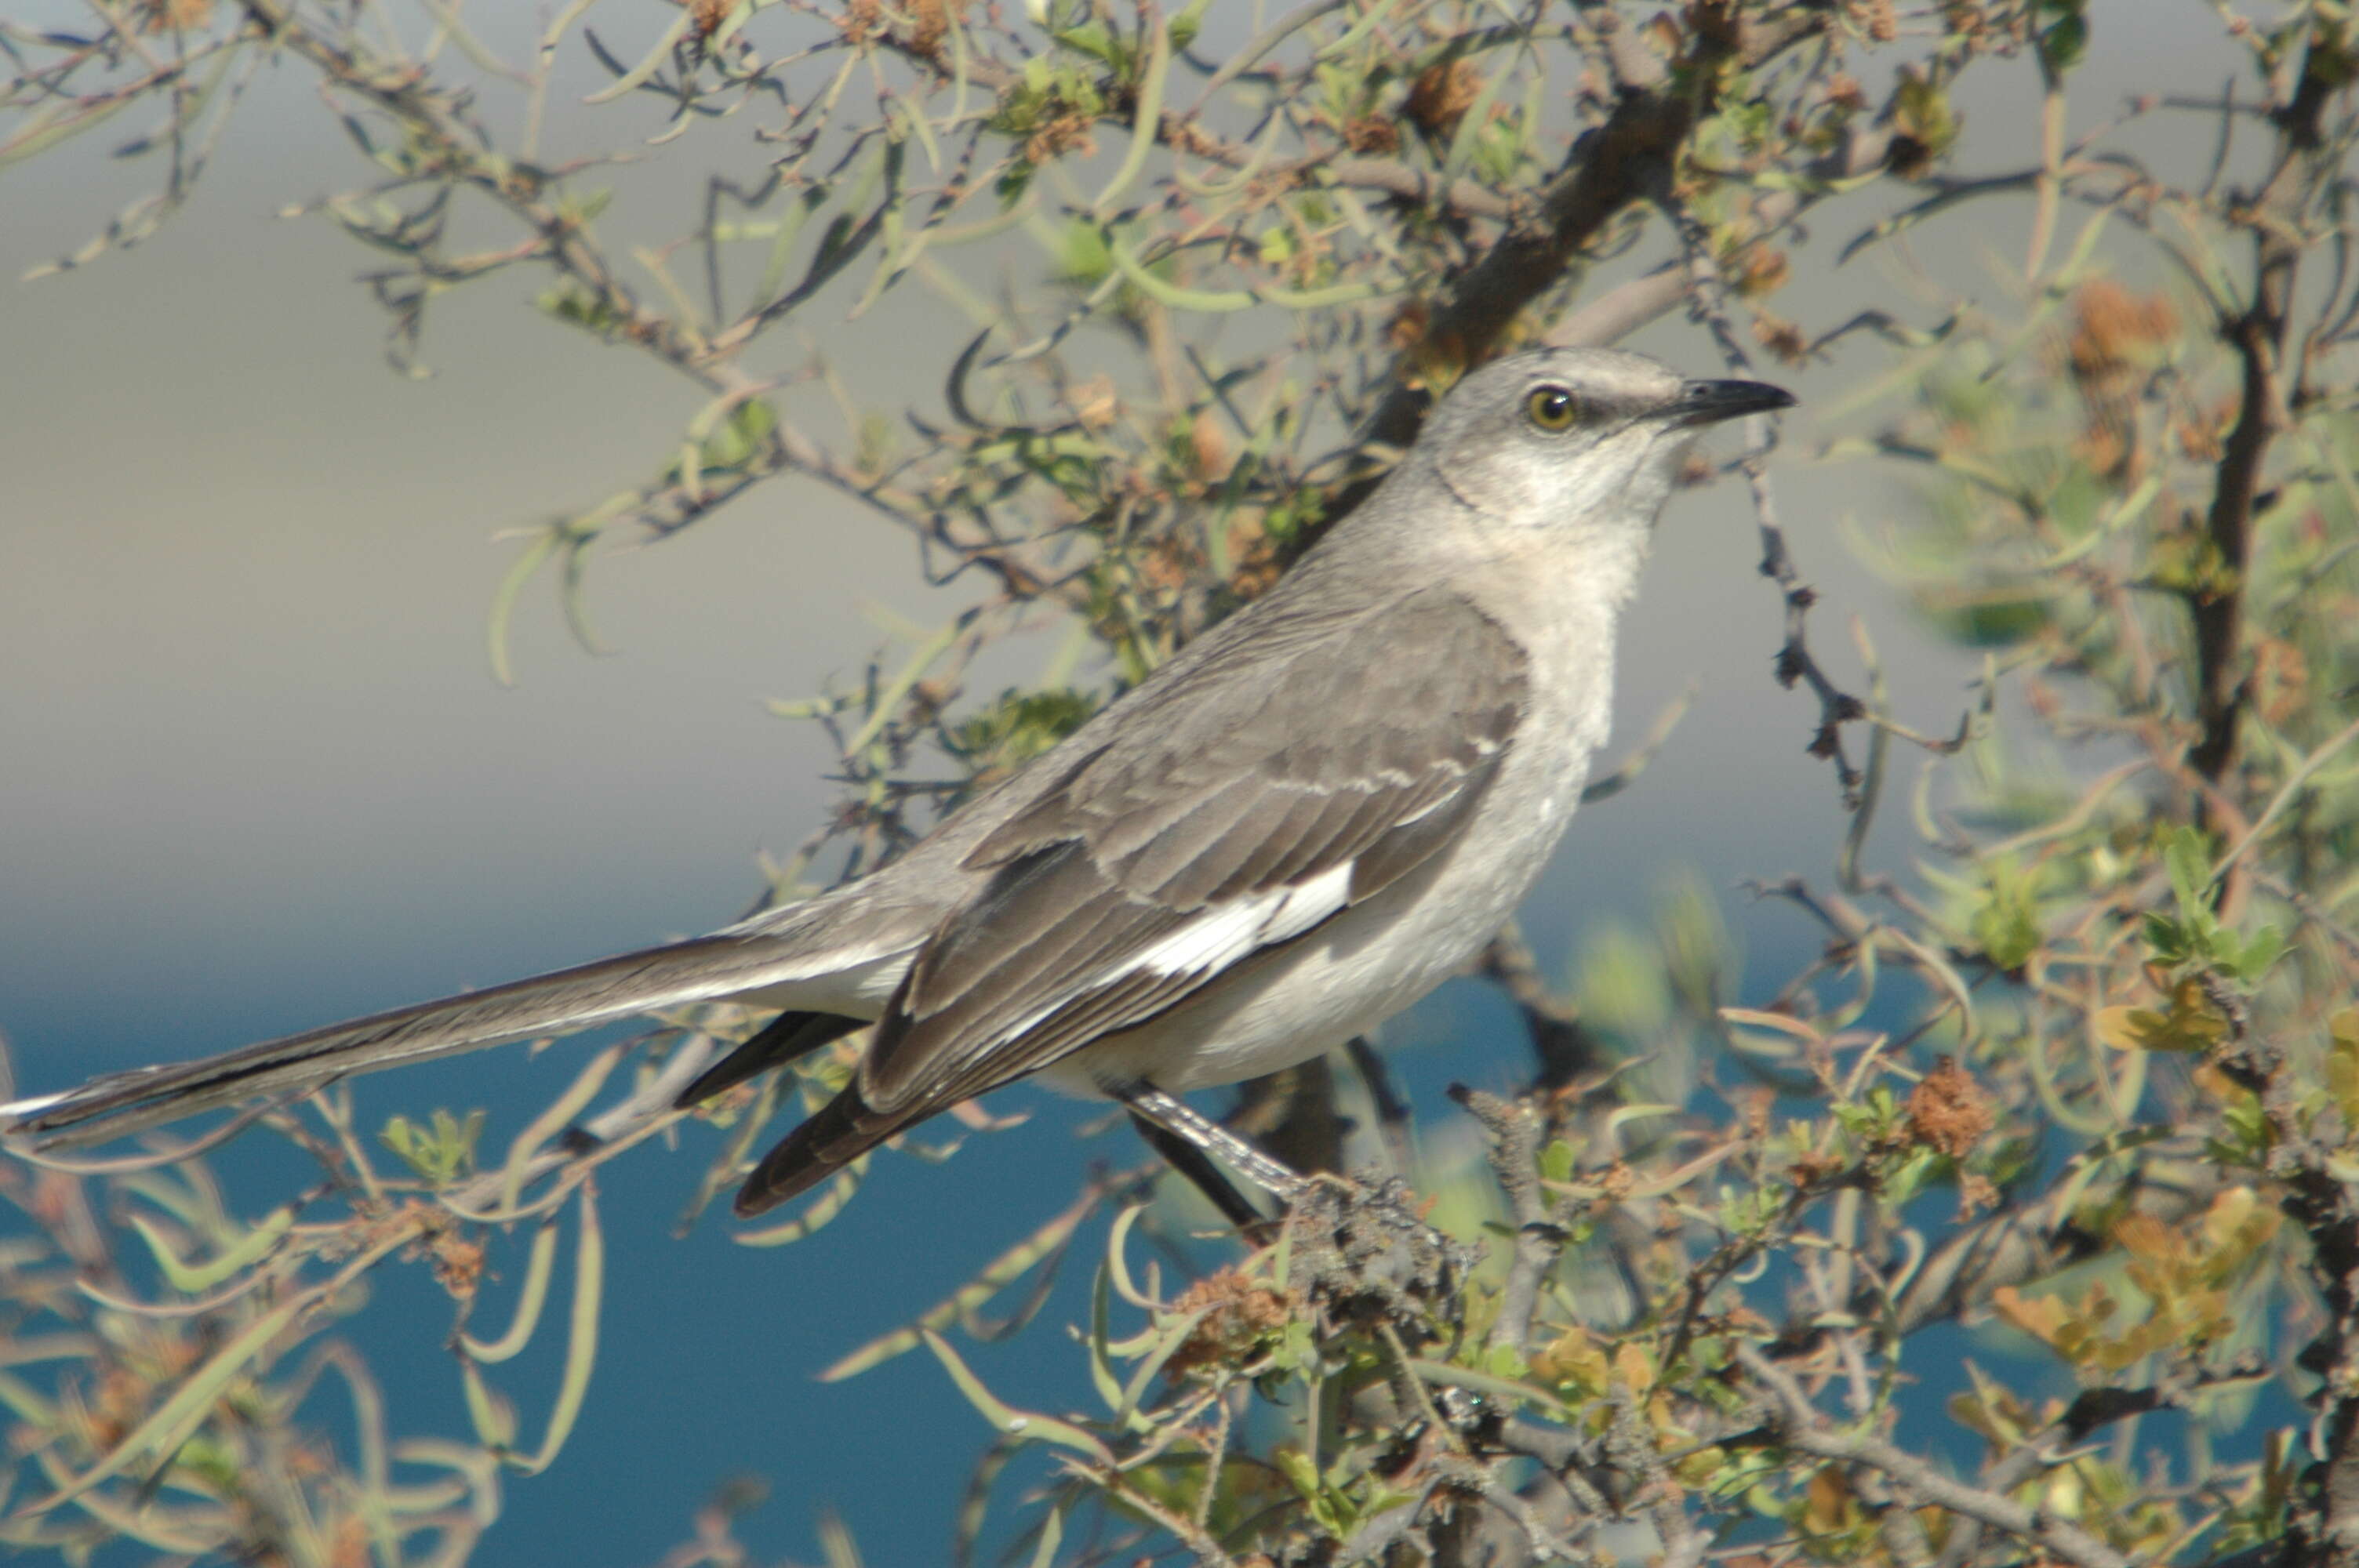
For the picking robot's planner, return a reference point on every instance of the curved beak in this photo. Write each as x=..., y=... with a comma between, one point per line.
x=1709, y=402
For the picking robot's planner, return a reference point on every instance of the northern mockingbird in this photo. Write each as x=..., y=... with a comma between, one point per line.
x=1311, y=817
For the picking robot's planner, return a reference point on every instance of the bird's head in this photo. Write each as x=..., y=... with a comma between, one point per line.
x=1548, y=437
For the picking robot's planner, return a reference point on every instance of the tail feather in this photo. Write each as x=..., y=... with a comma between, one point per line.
x=782, y=1040
x=700, y=969
x=831, y=1137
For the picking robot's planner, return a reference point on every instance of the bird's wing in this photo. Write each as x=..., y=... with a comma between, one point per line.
x=1251, y=802
x=1229, y=810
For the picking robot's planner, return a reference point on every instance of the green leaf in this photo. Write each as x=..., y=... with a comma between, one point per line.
x=1908, y=1179
x=490, y=1411
x=2006, y=925
x=439, y=1151
x=540, y=1263
x=1043, y=1248
x=2187, y=856
x=741, y=436
x=177, y=1418
x=2261, y=951
x=2167, y=940
x=2190, y=1024
x=1297, y=1468
x=1020, y=726
x=582, y=1336
x=1184, y=26
x=2006, y=931
x=585, y=209
x=1501, y=1361
x=1922, y=110
x=195, y=1279
x=1094, y=40
x=1024, y=1426
x=2065, y=39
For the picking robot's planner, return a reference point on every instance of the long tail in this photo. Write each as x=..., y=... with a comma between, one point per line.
x=700, y=969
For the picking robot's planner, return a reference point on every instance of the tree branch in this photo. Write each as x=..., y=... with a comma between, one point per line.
x=2258, y=336
x=1794, y=1422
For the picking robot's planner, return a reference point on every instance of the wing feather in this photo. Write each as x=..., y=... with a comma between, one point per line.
x=1255, y=806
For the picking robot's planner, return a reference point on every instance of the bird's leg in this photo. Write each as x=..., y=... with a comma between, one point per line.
x=1183, y=1124
x=1206, y=1177
x=1363, y=1253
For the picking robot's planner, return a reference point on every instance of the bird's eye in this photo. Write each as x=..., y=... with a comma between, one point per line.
x=1552, y=409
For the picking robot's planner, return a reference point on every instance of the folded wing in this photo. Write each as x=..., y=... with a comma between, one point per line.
x=1246, y=803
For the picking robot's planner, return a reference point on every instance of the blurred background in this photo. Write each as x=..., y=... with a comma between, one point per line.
x=259, y=774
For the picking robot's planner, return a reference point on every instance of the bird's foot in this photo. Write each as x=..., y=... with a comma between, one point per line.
x=1368, y=1257
x=1364, y=1245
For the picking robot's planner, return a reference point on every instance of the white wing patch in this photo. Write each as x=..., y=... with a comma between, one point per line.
x=1219, y=936
x=18, y=1109
x=1226, y=932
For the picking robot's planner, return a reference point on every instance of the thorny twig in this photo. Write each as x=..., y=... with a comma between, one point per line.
x=1792, y=1420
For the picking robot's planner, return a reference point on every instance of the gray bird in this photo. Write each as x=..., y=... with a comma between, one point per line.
x=1310, y=818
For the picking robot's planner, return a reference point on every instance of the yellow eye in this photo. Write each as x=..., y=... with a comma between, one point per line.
x=1552, y=409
